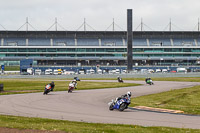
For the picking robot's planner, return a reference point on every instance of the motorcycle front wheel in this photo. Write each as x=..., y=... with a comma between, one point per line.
x=111, y=107
x=45, y=92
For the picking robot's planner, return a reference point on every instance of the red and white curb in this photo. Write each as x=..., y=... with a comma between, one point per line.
x=157, y=109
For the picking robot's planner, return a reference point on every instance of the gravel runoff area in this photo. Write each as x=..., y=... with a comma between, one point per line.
x=92, y=106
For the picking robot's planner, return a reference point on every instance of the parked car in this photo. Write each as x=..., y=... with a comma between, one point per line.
x=173, y=71
x=164, y=70
x=48, y=72
x=59, y=71
x=30, y=71
x=55, y=72
x=99, y=71
x=181, y=70
x=38, y=71
x=117, y=71
x=158, y=70
x=90, y=71
x=150, y=71
x=68, y=72
x=81, y=72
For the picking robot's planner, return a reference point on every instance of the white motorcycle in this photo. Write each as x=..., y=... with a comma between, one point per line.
x=72, y=86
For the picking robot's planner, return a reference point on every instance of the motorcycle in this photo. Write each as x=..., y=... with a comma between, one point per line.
x=150, y=82
x=120, y=80
x=71, y=87
x=47, y=89
x=120, y=104
x=77, y=79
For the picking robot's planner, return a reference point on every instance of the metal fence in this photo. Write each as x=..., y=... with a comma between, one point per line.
x=95, y=76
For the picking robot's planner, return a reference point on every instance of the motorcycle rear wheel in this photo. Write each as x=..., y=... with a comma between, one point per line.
x=45, y=92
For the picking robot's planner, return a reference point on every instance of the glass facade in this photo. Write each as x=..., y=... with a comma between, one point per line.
x=91, y=48
x=4, y=52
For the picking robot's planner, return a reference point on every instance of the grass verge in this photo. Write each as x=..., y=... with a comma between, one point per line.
x=187, y=100
x=81, y=127
x=181, y=79
x=16, y=86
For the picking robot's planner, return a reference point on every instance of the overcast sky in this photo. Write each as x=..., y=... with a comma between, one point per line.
x=99, y=14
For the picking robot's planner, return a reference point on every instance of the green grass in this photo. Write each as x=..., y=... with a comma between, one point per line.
x=182, y=79
x=15, y=86
x=12, y=68
x=187, y=100
x=81, y=127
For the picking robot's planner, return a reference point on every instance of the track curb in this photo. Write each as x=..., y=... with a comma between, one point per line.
x=157, y=109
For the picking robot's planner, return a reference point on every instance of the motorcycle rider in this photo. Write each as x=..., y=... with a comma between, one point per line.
x=47, y=88
x=75, y=83
x=76, y=78
x=72, y=85
x=148, y=78
x=52, y=85
x=149, y=81
x=119, y=79
x=127, y=95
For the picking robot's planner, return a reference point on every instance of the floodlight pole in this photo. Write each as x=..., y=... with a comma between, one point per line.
x=170, y=25
x=56, y=24
x=198, y=24
x=113, y=24
x=84, y=25
x=129, y=41
x=26, y=23
x=141, y=25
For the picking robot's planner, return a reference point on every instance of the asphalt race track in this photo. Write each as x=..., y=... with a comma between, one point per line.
x=91, y=106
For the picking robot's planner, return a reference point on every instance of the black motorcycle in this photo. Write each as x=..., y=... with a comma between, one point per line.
x=120, y=80
x=77, y=79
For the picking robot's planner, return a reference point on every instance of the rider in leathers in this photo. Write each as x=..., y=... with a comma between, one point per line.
x=128, y=95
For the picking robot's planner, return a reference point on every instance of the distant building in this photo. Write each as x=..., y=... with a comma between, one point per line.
x=99, y=47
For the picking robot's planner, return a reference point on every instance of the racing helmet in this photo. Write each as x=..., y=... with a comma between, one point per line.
x=74, y=80
x=129, y=93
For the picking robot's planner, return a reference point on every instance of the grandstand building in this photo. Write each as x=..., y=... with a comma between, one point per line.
x=109, y=48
